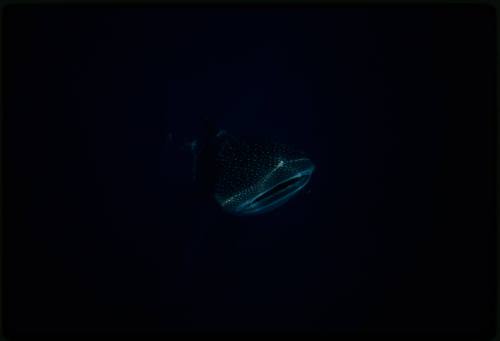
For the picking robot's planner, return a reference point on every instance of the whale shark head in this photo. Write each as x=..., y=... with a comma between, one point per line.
x=251, y=177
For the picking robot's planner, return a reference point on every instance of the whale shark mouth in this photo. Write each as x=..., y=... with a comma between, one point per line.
x=276, y=195
x=280, y=189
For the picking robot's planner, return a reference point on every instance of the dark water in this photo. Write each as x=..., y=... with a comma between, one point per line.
x=104, y=229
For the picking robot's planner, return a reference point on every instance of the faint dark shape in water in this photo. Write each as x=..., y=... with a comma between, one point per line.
x=248, y=177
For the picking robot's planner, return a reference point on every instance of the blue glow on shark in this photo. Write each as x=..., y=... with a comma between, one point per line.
x=255, y=177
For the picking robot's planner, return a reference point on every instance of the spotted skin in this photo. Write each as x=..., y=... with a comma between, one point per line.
x=249, y=174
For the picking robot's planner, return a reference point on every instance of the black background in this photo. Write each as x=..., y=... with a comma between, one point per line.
x=394, y=105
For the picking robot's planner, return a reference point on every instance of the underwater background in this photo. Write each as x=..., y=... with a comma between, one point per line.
x=104, y=229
